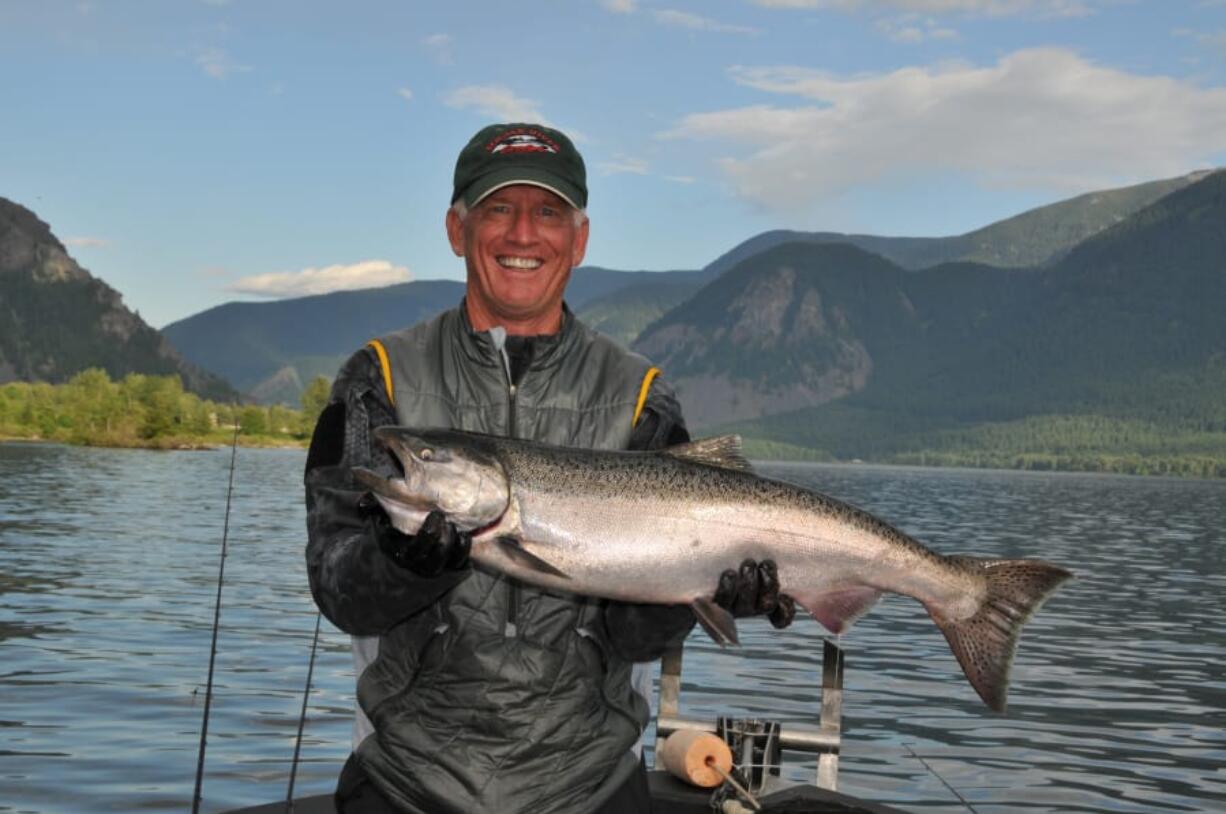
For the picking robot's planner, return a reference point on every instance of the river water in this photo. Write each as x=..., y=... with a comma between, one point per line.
x=108, y=575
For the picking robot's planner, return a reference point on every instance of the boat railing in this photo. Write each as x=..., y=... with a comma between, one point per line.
x=756, y=739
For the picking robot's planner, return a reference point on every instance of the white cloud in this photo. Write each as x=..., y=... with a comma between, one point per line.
x=912, y=28
x=218, y=64
x=694, y=22
x=87, y=242
x=1211, y=39
x=621, y=6
x=439, y=46
x=497, y=102
x=1039, y=118
x=994, y=8
x=405, y=93
x=366, y=274
x=623, y=164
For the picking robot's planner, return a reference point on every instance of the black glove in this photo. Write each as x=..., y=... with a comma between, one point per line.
x=437, y=546
x=754, y=590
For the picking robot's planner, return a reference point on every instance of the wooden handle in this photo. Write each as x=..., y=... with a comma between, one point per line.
x=698, y=758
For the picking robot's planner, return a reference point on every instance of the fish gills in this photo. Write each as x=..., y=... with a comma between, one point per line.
x=985, y=642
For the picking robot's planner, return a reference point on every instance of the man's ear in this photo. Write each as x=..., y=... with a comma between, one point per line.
x=580, y=246
x=455, y=232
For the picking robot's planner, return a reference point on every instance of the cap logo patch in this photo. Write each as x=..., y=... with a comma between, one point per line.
x=521, y=140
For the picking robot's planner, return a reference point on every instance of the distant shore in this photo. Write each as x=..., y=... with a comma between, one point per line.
x=1142, y=465
x=168, y=443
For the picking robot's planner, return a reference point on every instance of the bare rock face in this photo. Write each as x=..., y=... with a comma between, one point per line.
x=283, y=386
x=56, y=319
x=792, y=328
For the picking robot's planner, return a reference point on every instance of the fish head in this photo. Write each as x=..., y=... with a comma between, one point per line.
x=451, y=472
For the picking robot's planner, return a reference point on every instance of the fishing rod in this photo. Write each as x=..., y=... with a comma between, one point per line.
x=933, y=772
x=306, y=692
x=221, y=571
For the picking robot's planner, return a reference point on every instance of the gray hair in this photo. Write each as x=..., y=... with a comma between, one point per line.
x=461, y=210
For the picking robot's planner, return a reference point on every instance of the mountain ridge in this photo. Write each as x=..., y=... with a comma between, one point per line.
x=43, y=290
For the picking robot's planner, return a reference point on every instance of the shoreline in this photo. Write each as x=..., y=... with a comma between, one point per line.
x=1136, y=465
x=168, y=444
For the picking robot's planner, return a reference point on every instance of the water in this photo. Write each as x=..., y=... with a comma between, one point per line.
x=108, y=567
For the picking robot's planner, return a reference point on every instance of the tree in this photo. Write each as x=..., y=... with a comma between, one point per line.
x=254, y=420
x=314, y=398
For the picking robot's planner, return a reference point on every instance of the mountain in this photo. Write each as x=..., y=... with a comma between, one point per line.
x=272, y=349
x=804, y=324
x=1123, y=334
x=1034, y=238
x=56, y=319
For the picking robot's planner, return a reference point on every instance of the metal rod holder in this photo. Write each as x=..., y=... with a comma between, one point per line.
x=823, y=740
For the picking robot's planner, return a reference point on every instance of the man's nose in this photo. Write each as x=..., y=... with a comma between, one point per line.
x=523, y=227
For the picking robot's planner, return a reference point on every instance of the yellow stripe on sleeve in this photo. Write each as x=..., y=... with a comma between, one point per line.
x=647, y=380
x=386, y=367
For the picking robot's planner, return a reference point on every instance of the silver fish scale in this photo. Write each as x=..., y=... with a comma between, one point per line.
x=563, y=471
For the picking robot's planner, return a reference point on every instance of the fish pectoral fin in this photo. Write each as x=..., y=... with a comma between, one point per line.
x=720, y=450
x=513, y=551
x=716, y=621
x=839, y=609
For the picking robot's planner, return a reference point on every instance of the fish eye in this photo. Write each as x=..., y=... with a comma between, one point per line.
x=426, y=454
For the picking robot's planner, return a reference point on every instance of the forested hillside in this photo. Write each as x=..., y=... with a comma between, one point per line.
x=57, y=320
x=1117, y=350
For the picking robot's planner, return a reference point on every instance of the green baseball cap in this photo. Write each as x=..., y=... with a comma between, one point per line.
x=519, y=153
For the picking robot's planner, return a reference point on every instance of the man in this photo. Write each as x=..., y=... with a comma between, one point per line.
x=477, y=693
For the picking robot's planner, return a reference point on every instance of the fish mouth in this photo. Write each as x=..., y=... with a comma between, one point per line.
x=385, y=489
x=405, y=447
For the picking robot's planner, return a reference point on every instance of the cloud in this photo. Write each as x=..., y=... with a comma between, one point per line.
x=912, y=28
x=497, y=102
x=439, y=46
x=218, y=64
x=623, y=164
x=405, y=93
x=1040, y=118
x=991, y=8
x=621, y=6
x=87, y=242
x=366, y=274
x=1210, y=39
x=694, y=22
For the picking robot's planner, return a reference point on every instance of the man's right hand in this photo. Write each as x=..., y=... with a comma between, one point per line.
x=437, y=546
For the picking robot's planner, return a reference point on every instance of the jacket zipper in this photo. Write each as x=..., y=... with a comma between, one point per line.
x=511, y=628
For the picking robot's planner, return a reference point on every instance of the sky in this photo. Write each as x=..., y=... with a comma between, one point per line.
x=195, y=152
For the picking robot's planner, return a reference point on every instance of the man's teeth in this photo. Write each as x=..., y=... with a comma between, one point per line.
x=520, y=262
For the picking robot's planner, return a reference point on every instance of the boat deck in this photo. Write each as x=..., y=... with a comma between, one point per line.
x=668, y=796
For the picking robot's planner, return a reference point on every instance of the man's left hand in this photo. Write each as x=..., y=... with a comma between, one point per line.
x=753, y=590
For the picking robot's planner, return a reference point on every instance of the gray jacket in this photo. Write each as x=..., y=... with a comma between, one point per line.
x=484, y=694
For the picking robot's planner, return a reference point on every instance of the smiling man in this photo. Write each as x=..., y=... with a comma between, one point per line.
x=476, y=693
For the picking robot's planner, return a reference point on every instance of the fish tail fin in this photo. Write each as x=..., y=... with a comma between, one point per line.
x=985, y=642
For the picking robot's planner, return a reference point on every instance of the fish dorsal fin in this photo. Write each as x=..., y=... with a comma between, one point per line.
x=719, y=450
